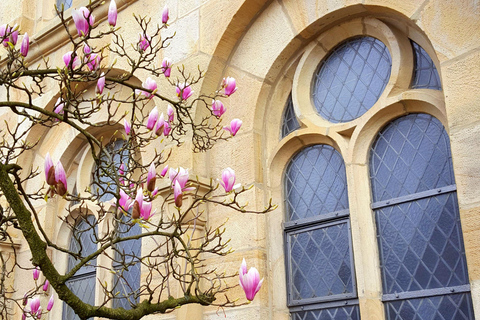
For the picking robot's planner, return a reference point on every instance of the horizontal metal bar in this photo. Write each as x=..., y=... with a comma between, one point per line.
x=324, y=299
x=326, y=305
x=414, y=196
x=316, y=219
x=425, y=293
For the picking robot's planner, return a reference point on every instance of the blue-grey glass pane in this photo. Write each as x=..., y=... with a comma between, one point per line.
x=83, y=242
x=102, y=179
x=84, y=288
x=425, y=74
x=351, y=79
x=421, y=245
x=315, y=183
x=410, y=155
x=447, y=307
x=66, y=4
x=340, y=313
x=290, y=122
x=320, y=263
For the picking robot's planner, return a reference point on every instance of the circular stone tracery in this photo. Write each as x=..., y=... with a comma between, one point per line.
x=351, y=78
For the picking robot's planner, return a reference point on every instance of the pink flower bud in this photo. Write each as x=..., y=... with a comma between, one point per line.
x=61, y=179
x=4, y=30
x=83, y=20
x=167, y=67
x=229, y=85
x=45, y=285
x=50, y=178
x=67, y=58
x=86, y=49
x=101, y=83
x=25, y=45
x=127, y=126
x=36, y=271
x=121, y=172
x=170, y=113
x=144, y=42
x=164, y=171
x=112, y=13
x=166, y=129
x=151, y=178
x=93, y=61
x=165, y=15
x=50, y=303
x=14, y=34
x=152, y=119
x=250, y=282
x=234, y=126
x=184, y=91
x=218, y=108
x=228, y=179
x=177, y=193
x=59, y=105
x=160, y=125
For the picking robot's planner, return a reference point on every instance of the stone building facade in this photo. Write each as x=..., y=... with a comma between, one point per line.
x=282, y=52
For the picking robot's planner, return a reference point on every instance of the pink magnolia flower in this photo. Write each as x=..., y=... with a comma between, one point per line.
x=144, y=42
x=125, y=201
x=141, y=209
x=164, y=171
x=101, y=83
x=152, y=119
x=50, y=178
x=235, y=125
x=184, y=91
x=166, y=129
x=4, y=30
x=83, y=20
x=229, y=85
x=13, y=34
x=67, y=58
x=228, y=179
x=35, y=306
x=50, y=303
x=170, y=113
x=60, y=179
x=177, y=193
x=46, y=285
x=218, y=108
x=165, y=15
x=127, y=126
x=86, y=49
x=36, y=271
x=249, y=281
x=180, y=175
x=149, y=84
x=151, y=178
x=112, y=13
x=167, y=67
x=93, y=61
x=160, y=125
x=25, y=45
x=59, y=105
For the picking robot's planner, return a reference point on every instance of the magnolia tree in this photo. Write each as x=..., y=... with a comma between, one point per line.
x=125, y=190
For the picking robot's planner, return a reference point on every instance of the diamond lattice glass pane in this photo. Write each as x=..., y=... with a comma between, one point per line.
x=128, y=250
x=421, y=245
x=127, y=284
x=340, y=313
x=66, y=4
x=320, y=263
x=447, y=307
x=103, y=184
x=351, y=79
x=290, y=122
x=425, y=74
x=83, y=242
x=315, y=183
x=84, y=288
x=410, y=155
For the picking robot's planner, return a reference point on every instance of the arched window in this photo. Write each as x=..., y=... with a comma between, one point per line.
x=82, y=284
x=319, y=260
x=423, y=266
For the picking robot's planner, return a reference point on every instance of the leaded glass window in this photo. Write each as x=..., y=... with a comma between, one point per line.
x=83, y=282
x=319, y=260
x=425, y=74
x=127, y=265
x=349, y=81
x=290, y=122
x=424, y=271
x=66, y=4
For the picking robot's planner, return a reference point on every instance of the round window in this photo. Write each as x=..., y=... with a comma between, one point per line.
x=351, y=78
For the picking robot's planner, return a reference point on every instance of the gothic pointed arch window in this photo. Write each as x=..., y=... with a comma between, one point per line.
x=319, y=259
x=423, y=265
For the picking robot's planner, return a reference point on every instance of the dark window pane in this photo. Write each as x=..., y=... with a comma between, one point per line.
x=321, y=264
x=66, y=4
x=421, y=245
x=290, y=122
x=84, y=288
x=425, y=74
x=351, y=79
x=411, y=155
x=453, y=306
x=315, y=183
x=339, y=313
